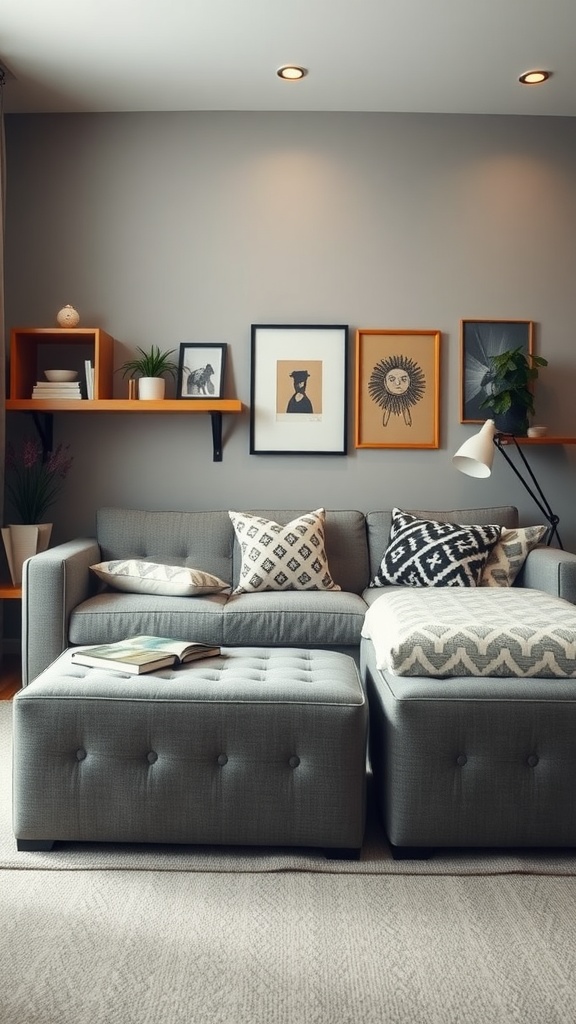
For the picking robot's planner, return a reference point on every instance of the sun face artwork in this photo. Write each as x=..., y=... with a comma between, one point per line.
x=396, y=384
x=397, y=389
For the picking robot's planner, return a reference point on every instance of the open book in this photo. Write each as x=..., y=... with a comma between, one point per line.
x=140, y=654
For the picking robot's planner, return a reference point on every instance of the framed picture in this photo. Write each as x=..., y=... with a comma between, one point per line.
x=397, y=389
x=479, y=340
x=201, y=370
x=298, y=390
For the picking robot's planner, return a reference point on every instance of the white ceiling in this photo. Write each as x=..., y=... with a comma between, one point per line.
x=440, y=56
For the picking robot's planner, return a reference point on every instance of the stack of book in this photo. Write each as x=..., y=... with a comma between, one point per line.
x=56, y=391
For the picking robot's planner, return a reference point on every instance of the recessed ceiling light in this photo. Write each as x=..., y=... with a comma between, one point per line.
x=534, y=77
x=291, y=72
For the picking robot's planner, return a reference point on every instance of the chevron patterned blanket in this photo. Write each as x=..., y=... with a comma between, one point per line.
x=457, y=631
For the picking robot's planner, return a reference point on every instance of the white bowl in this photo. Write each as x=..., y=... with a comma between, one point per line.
x=61, y=375
x=537, y=431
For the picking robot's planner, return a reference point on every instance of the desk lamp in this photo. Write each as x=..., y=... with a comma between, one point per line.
x=475, y=457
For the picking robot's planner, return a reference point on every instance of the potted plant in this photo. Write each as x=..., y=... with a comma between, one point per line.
x=151, y=367
x=33, y=482
x=508, y=382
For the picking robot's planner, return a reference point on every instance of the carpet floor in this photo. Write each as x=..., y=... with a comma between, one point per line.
x=143, y=936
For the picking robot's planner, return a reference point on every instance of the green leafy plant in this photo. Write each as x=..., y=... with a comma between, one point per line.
x=150, y=364
x=33, y=482
x=509, y=380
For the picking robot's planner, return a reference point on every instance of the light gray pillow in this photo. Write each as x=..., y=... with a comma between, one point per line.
x=137, y=577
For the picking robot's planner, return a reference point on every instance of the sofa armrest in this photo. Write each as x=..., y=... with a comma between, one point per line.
x=53, y=583
x=551, y=570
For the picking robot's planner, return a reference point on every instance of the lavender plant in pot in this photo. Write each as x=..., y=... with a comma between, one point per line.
x=33, y=484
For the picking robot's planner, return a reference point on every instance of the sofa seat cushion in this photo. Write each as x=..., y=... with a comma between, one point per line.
x=294, y=618
x=112, y=616
x=473, y=632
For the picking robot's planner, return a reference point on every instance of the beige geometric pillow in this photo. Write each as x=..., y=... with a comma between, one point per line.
x=508, y=556
x=275, y=557
x=134, y=576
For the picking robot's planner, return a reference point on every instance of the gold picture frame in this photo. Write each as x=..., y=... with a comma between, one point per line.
x=479, y=340
x=397, y=382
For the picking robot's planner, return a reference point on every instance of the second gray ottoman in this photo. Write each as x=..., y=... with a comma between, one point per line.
x=256, y=747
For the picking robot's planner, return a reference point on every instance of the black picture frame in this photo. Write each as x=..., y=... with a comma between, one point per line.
x=201, y=368
x=479, y=340
x=299, y=389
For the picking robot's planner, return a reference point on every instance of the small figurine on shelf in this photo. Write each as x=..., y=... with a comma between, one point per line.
x=68, y=317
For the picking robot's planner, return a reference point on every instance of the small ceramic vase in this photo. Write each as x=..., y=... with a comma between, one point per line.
x=68, y=317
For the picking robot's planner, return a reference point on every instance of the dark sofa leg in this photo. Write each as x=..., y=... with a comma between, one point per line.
x=343, y=853
x=411, y=852
x=34, y=845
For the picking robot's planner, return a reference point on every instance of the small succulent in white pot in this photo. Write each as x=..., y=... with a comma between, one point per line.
x=151, y=368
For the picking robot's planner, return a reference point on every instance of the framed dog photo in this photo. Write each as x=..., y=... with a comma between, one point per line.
x=479, y=341
x=298, y=390
x=397, y=389
x=201, y=370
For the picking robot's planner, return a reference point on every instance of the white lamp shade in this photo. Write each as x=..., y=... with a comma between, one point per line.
x=474, y=457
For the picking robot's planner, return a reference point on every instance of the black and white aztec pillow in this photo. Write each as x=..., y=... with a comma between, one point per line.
x=424, y=553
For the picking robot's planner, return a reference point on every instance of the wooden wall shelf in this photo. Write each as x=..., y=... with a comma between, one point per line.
x=34, y=349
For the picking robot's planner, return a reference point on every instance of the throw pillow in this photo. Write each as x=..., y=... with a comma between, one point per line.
x=424, y=553
x=507, y=558
x=137, y=577
x=278, y=557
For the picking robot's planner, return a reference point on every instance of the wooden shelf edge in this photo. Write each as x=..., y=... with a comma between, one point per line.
x=8, y=591
x=167, y=405
x=547, y=439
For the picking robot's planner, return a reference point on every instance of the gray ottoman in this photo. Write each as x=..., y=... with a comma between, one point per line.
x=256, y=747
x=472, y=761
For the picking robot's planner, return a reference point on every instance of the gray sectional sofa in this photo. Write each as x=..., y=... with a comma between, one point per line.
x=65, y=605
x=465, y=761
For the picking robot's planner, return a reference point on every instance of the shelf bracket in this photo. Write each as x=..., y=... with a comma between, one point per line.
x=44, y=423
x=216, y=418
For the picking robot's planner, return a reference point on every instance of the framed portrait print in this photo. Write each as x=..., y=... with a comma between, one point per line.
x=479, y=340
x=397, y=389
x=298, y=400
x=201, y=370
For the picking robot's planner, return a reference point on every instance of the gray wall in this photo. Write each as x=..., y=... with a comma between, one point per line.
x=171, y=227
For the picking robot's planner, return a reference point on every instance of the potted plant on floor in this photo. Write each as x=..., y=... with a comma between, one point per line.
x=33, y=483
x=509, y=381
x=151, y=367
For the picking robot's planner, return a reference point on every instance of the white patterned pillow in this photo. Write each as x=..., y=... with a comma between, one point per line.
x=508, y=556
x=425, y=553
x=137, y=577
x=275, y=557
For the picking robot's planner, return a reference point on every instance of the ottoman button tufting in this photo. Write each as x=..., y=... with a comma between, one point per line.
x=532, y=760
x=222, y=759
x=152, y=757
x=294, y=761
x=80, y=754
x=461, y=760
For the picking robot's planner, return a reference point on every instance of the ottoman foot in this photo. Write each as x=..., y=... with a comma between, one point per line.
x=411, y=852
x=343, y=853
x=34, y=845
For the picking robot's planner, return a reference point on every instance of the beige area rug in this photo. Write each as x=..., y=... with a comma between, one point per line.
x=142, y=947
x=375, y=859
